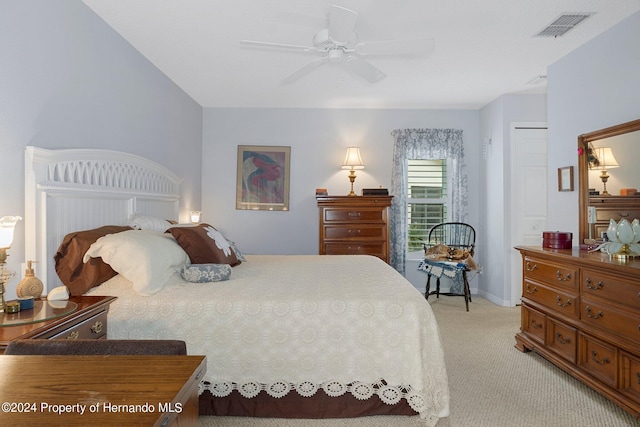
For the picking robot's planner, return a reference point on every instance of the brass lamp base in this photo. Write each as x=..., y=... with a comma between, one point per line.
x=352, y=178
x=625, y=252
x=604, y=177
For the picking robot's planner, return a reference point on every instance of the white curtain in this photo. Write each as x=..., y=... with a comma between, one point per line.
x=424, y=144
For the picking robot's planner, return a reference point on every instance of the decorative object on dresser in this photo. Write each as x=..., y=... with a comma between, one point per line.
x=622, y=239
x=83, y=317
x=352, y=161
x=581, y=311
x=354, y=225
x=263, y=174
x=30, y=285
x=7, y=225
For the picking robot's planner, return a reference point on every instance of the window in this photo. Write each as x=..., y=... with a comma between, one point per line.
x=426, y=199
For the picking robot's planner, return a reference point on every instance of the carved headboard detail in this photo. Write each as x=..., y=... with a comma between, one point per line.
x=78, y=189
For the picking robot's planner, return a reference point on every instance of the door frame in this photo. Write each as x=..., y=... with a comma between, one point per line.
x=513, y=286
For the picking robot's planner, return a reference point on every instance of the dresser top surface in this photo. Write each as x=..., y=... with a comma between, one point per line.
x=594, y=259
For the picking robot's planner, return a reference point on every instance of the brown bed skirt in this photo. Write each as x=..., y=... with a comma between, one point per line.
x=294, y=405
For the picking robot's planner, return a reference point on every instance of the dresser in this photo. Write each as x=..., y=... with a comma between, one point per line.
x=354, y=225
x=581, y=311
x=82, y=317
x=613, y=207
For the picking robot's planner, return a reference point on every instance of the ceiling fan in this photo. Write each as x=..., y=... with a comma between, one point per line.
x=338, y=43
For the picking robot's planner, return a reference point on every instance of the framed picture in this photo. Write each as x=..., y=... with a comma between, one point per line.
x=263, y=177
x=565, y=178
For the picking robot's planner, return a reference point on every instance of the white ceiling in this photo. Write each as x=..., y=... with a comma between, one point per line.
x=484, y=48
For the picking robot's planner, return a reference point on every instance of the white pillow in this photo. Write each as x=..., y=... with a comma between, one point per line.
x=143, y=222
x=146, y=258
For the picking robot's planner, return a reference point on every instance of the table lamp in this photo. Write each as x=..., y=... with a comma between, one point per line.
x=605, y=161
x=352, y=161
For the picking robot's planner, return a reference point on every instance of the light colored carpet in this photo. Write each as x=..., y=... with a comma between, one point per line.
x=492, y=384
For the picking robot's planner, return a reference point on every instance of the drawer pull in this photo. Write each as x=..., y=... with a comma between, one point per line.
x=535, y=325
x=562, y=340
x=356, y=231
x=563, y=278
x=73, y=335
x=594, y=357
x=623, y=215
x=593, y=316
x=597, y=287
x=354, y=214
x=530, y=290
x=530, y=267
x=559, y=301
x=96, y=328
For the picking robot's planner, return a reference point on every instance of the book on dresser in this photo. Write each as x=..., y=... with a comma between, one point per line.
x=581, y=311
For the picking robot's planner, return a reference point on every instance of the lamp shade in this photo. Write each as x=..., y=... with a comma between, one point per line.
x=605, y=158
x=353, y=160
x=7, y=225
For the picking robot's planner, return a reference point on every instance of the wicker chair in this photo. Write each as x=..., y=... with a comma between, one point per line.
x=455, y=235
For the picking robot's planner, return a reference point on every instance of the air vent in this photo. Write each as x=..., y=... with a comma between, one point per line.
x=562, y=24
x=537, y=80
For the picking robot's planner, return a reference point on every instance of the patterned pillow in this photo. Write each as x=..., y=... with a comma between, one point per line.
x=205, y=245
x=201, y=273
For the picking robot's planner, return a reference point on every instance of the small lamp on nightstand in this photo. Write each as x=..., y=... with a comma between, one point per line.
x=195, y=217
x=352, y=161
x=7, y=225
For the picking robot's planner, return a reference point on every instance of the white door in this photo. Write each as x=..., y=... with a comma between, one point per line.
x=528, y=195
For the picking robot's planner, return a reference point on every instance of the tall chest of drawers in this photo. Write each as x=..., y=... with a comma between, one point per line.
x=581, y=311
x=354, y=225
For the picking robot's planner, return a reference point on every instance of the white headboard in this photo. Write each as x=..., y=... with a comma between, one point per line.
x=80, y=189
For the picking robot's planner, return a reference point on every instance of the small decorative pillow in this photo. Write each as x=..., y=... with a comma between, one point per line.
x=201, y=273
x=143, y=222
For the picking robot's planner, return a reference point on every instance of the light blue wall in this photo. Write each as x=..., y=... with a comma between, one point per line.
x=593, y=87
x=68, y=80
x=495, y=237
x=318, y=139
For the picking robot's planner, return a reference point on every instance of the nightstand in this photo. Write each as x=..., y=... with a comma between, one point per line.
x=354, y=225
x=83, y=317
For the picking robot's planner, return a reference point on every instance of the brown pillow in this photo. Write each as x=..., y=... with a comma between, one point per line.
x=76, y=275
x=201, y=248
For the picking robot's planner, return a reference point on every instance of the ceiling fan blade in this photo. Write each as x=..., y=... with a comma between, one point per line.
x=342, y=23
x=363, y=69
x=304, y=70
x=422, y=47
x=279, y=46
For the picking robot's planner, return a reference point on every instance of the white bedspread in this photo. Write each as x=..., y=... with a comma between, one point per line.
x=299, y=322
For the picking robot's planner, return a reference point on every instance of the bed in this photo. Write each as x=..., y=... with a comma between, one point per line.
x=303, y=336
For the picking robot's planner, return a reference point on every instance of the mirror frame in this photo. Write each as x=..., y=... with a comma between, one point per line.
x=583, y=169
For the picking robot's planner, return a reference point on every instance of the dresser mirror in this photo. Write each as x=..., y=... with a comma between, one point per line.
x=621, y=175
